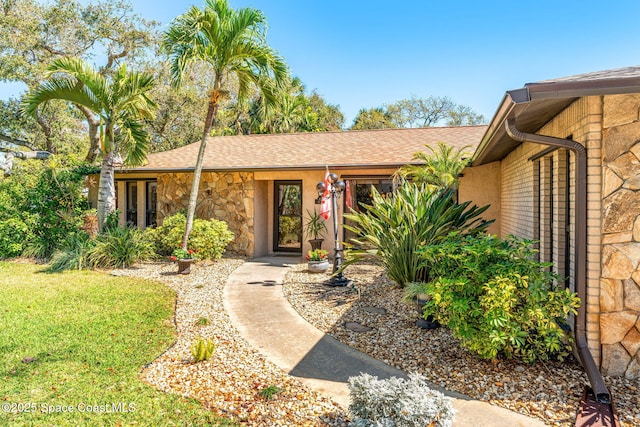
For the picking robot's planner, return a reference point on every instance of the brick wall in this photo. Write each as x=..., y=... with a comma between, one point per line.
x=582, y=122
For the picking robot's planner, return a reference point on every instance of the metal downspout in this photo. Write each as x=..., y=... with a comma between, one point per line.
x=580, y=329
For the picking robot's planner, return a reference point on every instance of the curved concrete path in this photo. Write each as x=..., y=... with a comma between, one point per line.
x=254, y=300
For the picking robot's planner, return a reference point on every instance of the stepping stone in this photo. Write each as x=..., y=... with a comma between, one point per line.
x=374, y=310
x=356, y=327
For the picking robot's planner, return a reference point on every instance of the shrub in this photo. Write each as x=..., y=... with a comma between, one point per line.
x=13, y=235
x=393, y=228
x=73, y=254
x=44, y=202
x=497, y=299
x=398, y=402
x=202, y=349
x=120, y=247
x=208, y=237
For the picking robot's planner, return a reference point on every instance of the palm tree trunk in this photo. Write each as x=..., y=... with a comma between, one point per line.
x=94, y=138
x=212, y=112
x=106, y=190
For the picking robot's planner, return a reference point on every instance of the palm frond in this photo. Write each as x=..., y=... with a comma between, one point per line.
x=132, y=140
x=84, y=73
x=59, y=88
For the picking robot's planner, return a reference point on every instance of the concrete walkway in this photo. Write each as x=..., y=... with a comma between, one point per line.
x=254, y=300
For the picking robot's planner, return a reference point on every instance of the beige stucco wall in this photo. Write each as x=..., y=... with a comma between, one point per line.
x=620, y=283
x=310, y=178
x=226, y=196
x=481, y=186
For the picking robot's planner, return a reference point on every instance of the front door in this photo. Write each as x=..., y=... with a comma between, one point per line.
x=288, y=216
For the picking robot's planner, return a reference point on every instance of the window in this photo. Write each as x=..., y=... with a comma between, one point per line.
x=362, y=193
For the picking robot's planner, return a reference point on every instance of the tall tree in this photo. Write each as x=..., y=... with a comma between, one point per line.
x=463, y=115
x=374, y=118
x=441, y=167
x=417, y=112
x=233, y=44
x=120, y=104
x=33, y=33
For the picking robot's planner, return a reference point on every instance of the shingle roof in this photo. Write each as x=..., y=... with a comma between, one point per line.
x=533, y=105
x=385, y=147
x=615, y=73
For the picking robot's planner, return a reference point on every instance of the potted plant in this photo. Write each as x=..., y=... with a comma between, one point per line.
x=314, y=229
x=185, y=258
x=417, y=293
x=318, y=261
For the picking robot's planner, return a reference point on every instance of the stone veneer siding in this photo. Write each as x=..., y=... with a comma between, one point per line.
x=620, y=291
x=226, y=196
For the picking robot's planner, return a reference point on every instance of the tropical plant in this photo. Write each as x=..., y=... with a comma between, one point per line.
x=440, y=168
x=393, y=228
x=232, y=43
x=497, y=299
x=120, y=103
x=315, y=227
x=398, y=402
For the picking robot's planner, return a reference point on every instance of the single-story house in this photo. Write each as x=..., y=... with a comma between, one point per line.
x=560, y=163
x=263, y=186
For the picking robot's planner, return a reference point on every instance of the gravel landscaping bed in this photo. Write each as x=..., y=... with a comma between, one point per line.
x=230, y=381
x=549, y=391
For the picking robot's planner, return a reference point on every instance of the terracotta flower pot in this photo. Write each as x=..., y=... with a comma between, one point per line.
x=184, y=265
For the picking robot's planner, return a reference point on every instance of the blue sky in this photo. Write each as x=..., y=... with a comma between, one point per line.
x=365, y=53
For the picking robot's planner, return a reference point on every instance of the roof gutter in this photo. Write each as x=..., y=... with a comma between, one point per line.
x=487, y=142
x=580, y=328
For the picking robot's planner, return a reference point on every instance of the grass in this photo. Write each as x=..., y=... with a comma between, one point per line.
x=78, y=341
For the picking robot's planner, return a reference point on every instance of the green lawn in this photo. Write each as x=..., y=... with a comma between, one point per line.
x=76, y=341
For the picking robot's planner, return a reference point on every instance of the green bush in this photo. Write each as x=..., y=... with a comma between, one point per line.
x=497, y=299
x=208, y=237
x=120, y=247
x=13, y=235
x=393, y=228
x=48, y=200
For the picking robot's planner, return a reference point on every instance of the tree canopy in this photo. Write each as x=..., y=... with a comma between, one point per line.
x=417, y=112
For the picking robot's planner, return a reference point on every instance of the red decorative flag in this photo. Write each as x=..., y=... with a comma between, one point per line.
x=347, y=194
x=325, y=204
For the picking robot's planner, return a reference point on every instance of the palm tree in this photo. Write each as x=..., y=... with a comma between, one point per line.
x=232, y=43
x=120, y=104
x=440, y=169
